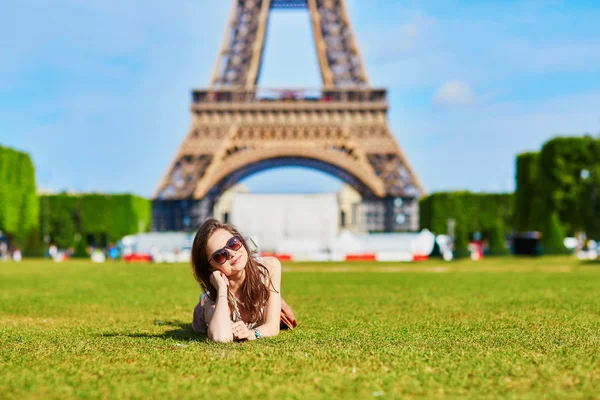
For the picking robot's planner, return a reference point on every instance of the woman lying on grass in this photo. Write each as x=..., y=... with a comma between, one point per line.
x=241, y=299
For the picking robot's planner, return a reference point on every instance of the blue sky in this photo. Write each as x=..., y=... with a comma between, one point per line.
x=98, y=91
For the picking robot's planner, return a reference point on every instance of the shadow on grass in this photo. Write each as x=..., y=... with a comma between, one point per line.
x=590, y=263
x=182, y=333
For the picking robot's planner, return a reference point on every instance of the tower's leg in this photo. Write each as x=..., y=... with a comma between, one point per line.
x=390, y=214
x=180, y=215
x=201, y=211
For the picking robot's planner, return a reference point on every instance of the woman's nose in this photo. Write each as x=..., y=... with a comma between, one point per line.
x=231, y=254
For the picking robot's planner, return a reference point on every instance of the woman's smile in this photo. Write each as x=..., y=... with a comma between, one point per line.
x=236, y=259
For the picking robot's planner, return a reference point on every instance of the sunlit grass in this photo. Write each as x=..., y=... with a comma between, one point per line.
x=526, y=328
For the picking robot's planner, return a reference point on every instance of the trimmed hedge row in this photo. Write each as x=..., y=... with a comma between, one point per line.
x=490, y=214
x=112, y=216
x=474, y=212
x=19, y=209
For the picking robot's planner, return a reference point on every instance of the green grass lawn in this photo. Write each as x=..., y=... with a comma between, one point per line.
x=516, y=328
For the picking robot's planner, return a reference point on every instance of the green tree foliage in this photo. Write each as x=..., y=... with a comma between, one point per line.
x=96, y=215
x=19, y=211
x=564, y=188
x=563, y=178
x=498, y=240
x=554, y=236
x=473, y=212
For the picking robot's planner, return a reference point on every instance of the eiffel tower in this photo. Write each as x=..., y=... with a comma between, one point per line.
x=239, y=128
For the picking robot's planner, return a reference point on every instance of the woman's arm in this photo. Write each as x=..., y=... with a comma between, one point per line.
x=273, y=309
x=218, y=320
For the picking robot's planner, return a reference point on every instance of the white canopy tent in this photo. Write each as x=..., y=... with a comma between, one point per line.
x=162, y=246
x=296, y=223
x=345, y=243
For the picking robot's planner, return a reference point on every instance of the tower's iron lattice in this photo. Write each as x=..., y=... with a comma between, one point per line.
x=239, y=128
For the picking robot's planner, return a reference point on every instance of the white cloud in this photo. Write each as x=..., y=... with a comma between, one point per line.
x=454, y=93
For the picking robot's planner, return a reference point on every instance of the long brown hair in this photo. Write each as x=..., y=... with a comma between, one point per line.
x=254, y=294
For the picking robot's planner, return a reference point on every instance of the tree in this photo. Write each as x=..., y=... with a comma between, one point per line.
x=19, y=209
x=554, y=236
x=568, y=169
x=528, y=200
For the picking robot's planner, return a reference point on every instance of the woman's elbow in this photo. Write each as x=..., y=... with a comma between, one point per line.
x=272, y=331
x=221, y=338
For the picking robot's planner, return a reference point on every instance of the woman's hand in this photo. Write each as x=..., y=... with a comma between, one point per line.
x=240, y=331
x=219, y=281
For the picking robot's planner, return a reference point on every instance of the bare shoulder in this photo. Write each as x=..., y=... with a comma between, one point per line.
x=272, y=264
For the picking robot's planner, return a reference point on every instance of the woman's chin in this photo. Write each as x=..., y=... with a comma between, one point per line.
x=238, y=265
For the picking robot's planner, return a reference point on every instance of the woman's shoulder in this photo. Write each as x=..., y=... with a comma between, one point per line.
x=273, y=277
x=271, y=263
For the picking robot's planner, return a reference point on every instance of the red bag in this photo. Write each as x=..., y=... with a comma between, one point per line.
x=288, y=320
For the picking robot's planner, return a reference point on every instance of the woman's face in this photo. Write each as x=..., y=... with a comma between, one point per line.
x=237, y=259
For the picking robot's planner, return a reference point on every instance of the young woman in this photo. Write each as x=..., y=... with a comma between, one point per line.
x=241, y=299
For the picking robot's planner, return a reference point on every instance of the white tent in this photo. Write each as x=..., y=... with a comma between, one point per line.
x=345, y=243
x=398, y=246
x=303, y=249
x=162, y=246
x=290, y=222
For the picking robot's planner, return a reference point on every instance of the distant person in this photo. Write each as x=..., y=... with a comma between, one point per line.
x=241, y=299
x=52, y=250
x=113, y=252
x=3, y=251
x=17, y=256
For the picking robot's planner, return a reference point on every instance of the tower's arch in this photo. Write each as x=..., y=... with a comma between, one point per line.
x=235, y=176
x=239, y=129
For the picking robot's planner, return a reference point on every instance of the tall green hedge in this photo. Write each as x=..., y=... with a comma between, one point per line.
x=528, y=198
x=564, y=189
x=562, y=179
x=19, y=209
x=461, y=242
x=497, y=239
x=115, y=216
x=554, y=236
x=57, y=218
x=472, y=212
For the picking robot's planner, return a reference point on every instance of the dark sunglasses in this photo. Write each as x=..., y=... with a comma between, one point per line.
x=222, y=255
